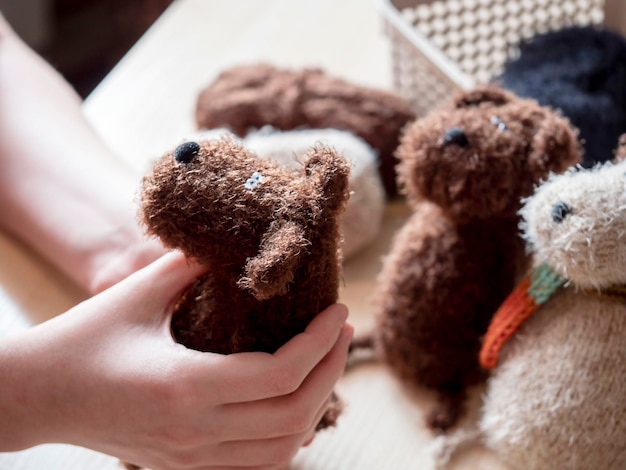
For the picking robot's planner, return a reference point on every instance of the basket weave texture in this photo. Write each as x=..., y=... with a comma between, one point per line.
x=440, y=47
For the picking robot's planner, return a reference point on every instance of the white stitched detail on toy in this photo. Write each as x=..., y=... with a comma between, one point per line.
x=496, y=121
x=254, y=180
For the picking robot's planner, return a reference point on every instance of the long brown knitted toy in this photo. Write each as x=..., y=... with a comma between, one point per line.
x=269, y=235
x=556, y=396
x=464, y=169
x=253, y=96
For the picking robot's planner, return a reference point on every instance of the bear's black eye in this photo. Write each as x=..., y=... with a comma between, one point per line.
x=560, y=210
x=499, y=123
x=455, y=135
x=186, y=152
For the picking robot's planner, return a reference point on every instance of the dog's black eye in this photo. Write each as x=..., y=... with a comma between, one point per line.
x=455, y=135
x=186, y=152
x=560, y=210
x=499, y=123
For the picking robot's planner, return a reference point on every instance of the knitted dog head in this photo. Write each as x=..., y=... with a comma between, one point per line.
x=361, y=221
x=478, y=157
x=557, y=392
x=464, y=169
x=227, y=207
x=268, y=233
x=253, y=96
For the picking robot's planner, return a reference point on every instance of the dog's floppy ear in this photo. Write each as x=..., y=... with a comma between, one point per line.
x=271, y=271
x=554, y=147
x=620, y=151
x=483, y=94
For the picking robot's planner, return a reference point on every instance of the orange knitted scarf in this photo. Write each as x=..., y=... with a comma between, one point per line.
x=529, y=294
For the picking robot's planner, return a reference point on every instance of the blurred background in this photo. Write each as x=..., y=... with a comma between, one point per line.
x=82, y=39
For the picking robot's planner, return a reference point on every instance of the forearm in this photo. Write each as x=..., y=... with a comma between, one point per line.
x=61, y=190
x=21, y=419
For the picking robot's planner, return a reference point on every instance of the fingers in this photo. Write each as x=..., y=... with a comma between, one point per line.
x=249, y=377
x=150, y=293
x=136, y=259
x=169, y=275
x=294, y=413
x=247, y=467
x=158, y=284
x=272, y=453
x=261, y=452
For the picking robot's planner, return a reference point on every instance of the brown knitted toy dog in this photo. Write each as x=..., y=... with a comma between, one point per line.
x=253, y=96
x=268, y=233
x=556, y=397
x=464, y=170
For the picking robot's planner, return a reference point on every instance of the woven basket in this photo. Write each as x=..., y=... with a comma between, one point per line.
x=442, y=46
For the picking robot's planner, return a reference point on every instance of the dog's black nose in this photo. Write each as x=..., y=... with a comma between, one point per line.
x=186, y=152
x=560, y=210
x=455, y=135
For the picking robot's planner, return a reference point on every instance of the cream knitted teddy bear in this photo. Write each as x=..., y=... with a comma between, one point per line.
x=557, y=395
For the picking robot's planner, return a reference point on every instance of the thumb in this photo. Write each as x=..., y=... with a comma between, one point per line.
x=163, y=281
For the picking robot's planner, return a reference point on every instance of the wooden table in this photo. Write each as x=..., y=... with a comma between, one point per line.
x=144, y=106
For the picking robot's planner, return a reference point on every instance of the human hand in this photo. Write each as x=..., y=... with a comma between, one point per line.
x=107, y=375
x=127, y=252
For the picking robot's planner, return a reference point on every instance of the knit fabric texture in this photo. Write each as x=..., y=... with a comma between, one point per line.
x=463, y=169
x=360, y=223
x=534, y=290
x=556, y=398
x=252, y=96
x=268, y=234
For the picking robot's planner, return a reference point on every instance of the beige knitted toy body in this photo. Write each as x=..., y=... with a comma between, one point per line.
x=557, y=396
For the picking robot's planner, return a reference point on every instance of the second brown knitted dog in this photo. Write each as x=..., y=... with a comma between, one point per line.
x=269, y=235
x=253, y=96
x=464, y=170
